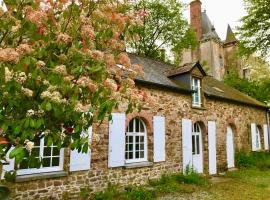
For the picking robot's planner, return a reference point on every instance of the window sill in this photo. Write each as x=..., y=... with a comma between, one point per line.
x=138, y=165
x=32, y=177
x=198, y=107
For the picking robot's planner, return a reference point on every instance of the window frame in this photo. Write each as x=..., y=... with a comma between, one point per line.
x=135, y=134
x=197, y=89
x=43, y=169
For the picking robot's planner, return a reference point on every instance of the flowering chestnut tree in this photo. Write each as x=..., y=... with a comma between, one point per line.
x=63, y=67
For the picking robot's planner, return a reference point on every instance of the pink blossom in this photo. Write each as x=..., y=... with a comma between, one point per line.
x=9, y=55
x=109, y=59
x=97, y=55
x=35, y=16
x=111, y=84
x=64, y=38
x=123, y=59
x=24, y=49
x=88, y=32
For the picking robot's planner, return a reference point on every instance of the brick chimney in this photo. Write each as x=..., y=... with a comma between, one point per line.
x=196, y=17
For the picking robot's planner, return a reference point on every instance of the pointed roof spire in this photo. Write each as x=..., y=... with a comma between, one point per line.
x=230, y=35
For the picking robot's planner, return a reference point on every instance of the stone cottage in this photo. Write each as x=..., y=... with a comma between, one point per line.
x=194, y=120
x=218, y=56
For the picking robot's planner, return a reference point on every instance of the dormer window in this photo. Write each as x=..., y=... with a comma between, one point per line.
x=196, y=95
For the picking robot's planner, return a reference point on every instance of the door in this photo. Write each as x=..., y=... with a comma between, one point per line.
x=197, y=154
x=230, y=147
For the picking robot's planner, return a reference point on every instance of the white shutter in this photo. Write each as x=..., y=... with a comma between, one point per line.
x=81, y=161
x=253, y=136
x=159, y=139
x=212, y=147
x=265, y=136
x=187, y=143
x=117, y=128
x=10, y=165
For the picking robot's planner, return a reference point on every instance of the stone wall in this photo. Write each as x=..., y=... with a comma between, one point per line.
x=174, y=106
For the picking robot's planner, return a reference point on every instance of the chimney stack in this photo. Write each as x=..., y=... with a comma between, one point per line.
x=196, y=18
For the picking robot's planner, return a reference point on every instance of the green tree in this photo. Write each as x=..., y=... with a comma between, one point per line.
x=63, y=68
x=258, y=89
x=164, y=27
x=254, y=32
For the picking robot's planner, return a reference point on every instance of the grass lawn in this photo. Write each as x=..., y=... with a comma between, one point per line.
x=244, y=184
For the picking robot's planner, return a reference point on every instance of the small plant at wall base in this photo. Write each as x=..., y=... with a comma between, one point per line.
x=260, y=160
x=62, y=72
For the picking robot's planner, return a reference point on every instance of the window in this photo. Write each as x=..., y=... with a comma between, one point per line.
x=52, y=159
x=196, y=133
x=258, y=139
x=196, y=96
x=246, y=73
x=221, y=61
x=136, y=141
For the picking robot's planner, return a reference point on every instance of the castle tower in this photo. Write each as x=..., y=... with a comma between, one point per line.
x=210, y=48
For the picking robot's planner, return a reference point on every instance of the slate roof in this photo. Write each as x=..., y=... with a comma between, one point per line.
x=230, y=35
x=186, y=68
x=208, y=30
x=156, y=74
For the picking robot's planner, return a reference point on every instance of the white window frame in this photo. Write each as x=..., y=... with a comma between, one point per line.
x=197, y=89
x=134, y=134
x=43, y=169
x=258, y=138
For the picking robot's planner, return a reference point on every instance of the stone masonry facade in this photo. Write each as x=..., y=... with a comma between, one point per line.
x=173, y=106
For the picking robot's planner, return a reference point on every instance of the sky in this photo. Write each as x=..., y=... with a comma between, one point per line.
x=221, y=13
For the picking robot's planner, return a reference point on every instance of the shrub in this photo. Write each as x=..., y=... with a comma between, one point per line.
x=260, y=160
x=139, y=193
x=110, y=193
x=191, y=177
x=166, y=184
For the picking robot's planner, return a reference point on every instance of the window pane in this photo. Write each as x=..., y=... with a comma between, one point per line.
x=130, y=155
x=137, y=147
x=55, y=161
x=137, y=154
x=141, y=154
x=137, y=139
x=142, y=146
x=35, y=151
x=198, y=144
x=141, y=127
x=56, y=151
x=130, y=139
x=46, y=162
x=126, y=155
x=141, y=138
x=130, y=126
x=137, y=125
x=47, y=151
x=130, y=147
x=193, y=144
x=23, y=164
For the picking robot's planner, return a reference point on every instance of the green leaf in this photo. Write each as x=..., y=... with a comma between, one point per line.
x=32, y=123
x=26, y=123
x=48, y=106
x=85, y=147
